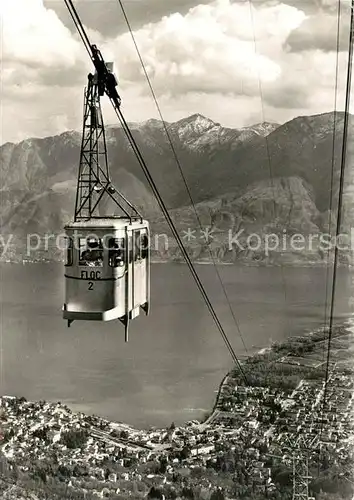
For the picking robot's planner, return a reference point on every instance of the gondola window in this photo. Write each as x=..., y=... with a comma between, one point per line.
x=91, y=252
x=116, y=252
x=68, y=251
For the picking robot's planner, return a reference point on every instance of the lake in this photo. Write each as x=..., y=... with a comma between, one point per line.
x=175, y=358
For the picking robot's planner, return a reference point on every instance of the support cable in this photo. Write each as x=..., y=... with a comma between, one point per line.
x=179, y=241
x=79, y=26
x=180, y=169
x=271, y=176
x=340, y=196
x=327, y=299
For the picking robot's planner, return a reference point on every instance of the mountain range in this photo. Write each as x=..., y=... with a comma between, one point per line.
x=266, y=178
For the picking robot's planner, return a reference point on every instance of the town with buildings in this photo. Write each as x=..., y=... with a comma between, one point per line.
x=287, y=416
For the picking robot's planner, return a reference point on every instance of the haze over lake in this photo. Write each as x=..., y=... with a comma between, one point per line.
x=175, y=359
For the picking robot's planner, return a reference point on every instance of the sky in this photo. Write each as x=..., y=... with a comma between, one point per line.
x=238, y=62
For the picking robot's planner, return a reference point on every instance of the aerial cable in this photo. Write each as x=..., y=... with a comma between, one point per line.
x=79, y=26
x=267, y=143
x=340, y=195
x=180, y=168
x=327, y=280
x=178, y=239
x=271, y=177
x=155, y=191
x=332, y=168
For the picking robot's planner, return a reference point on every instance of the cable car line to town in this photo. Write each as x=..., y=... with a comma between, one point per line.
x=178, y=163
x=180, y=244
x=269, y=161
x=104, y=82
x=329, y=300
x=340, y=194
x=327, y=297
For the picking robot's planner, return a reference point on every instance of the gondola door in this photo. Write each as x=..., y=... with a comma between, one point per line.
x=130, y=273
x=139, y=274
x=133, y=304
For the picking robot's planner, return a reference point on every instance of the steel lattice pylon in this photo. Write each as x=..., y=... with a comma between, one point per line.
x=301, y=448
x=301, y=475
x=94, y=186
x=93, y=176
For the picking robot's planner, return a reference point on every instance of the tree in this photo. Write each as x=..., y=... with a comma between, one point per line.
x=74, y=439
x=188, y=493
x=198, y=472
x=163, y=465
x=80, y=470
x=41, y=474
x=263, y=448
x=8, y=435
x=64, y=471
x=155, y=494
x=284, y=478
x=4, y=466
x=185, y=452
x=325, y=463
x=41, y=433
x=217, y=495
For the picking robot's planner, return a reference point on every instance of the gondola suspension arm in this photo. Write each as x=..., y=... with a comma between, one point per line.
x=107, y=82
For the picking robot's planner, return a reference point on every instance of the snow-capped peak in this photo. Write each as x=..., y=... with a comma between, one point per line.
x=262, y=129
x=193, y=125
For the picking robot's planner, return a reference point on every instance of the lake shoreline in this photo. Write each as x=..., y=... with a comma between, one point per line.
x=244, y=360
x=143, y=388
x=265, y=352
x=79, y=458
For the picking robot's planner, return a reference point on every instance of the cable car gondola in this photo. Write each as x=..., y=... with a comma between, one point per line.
x=107, y=268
